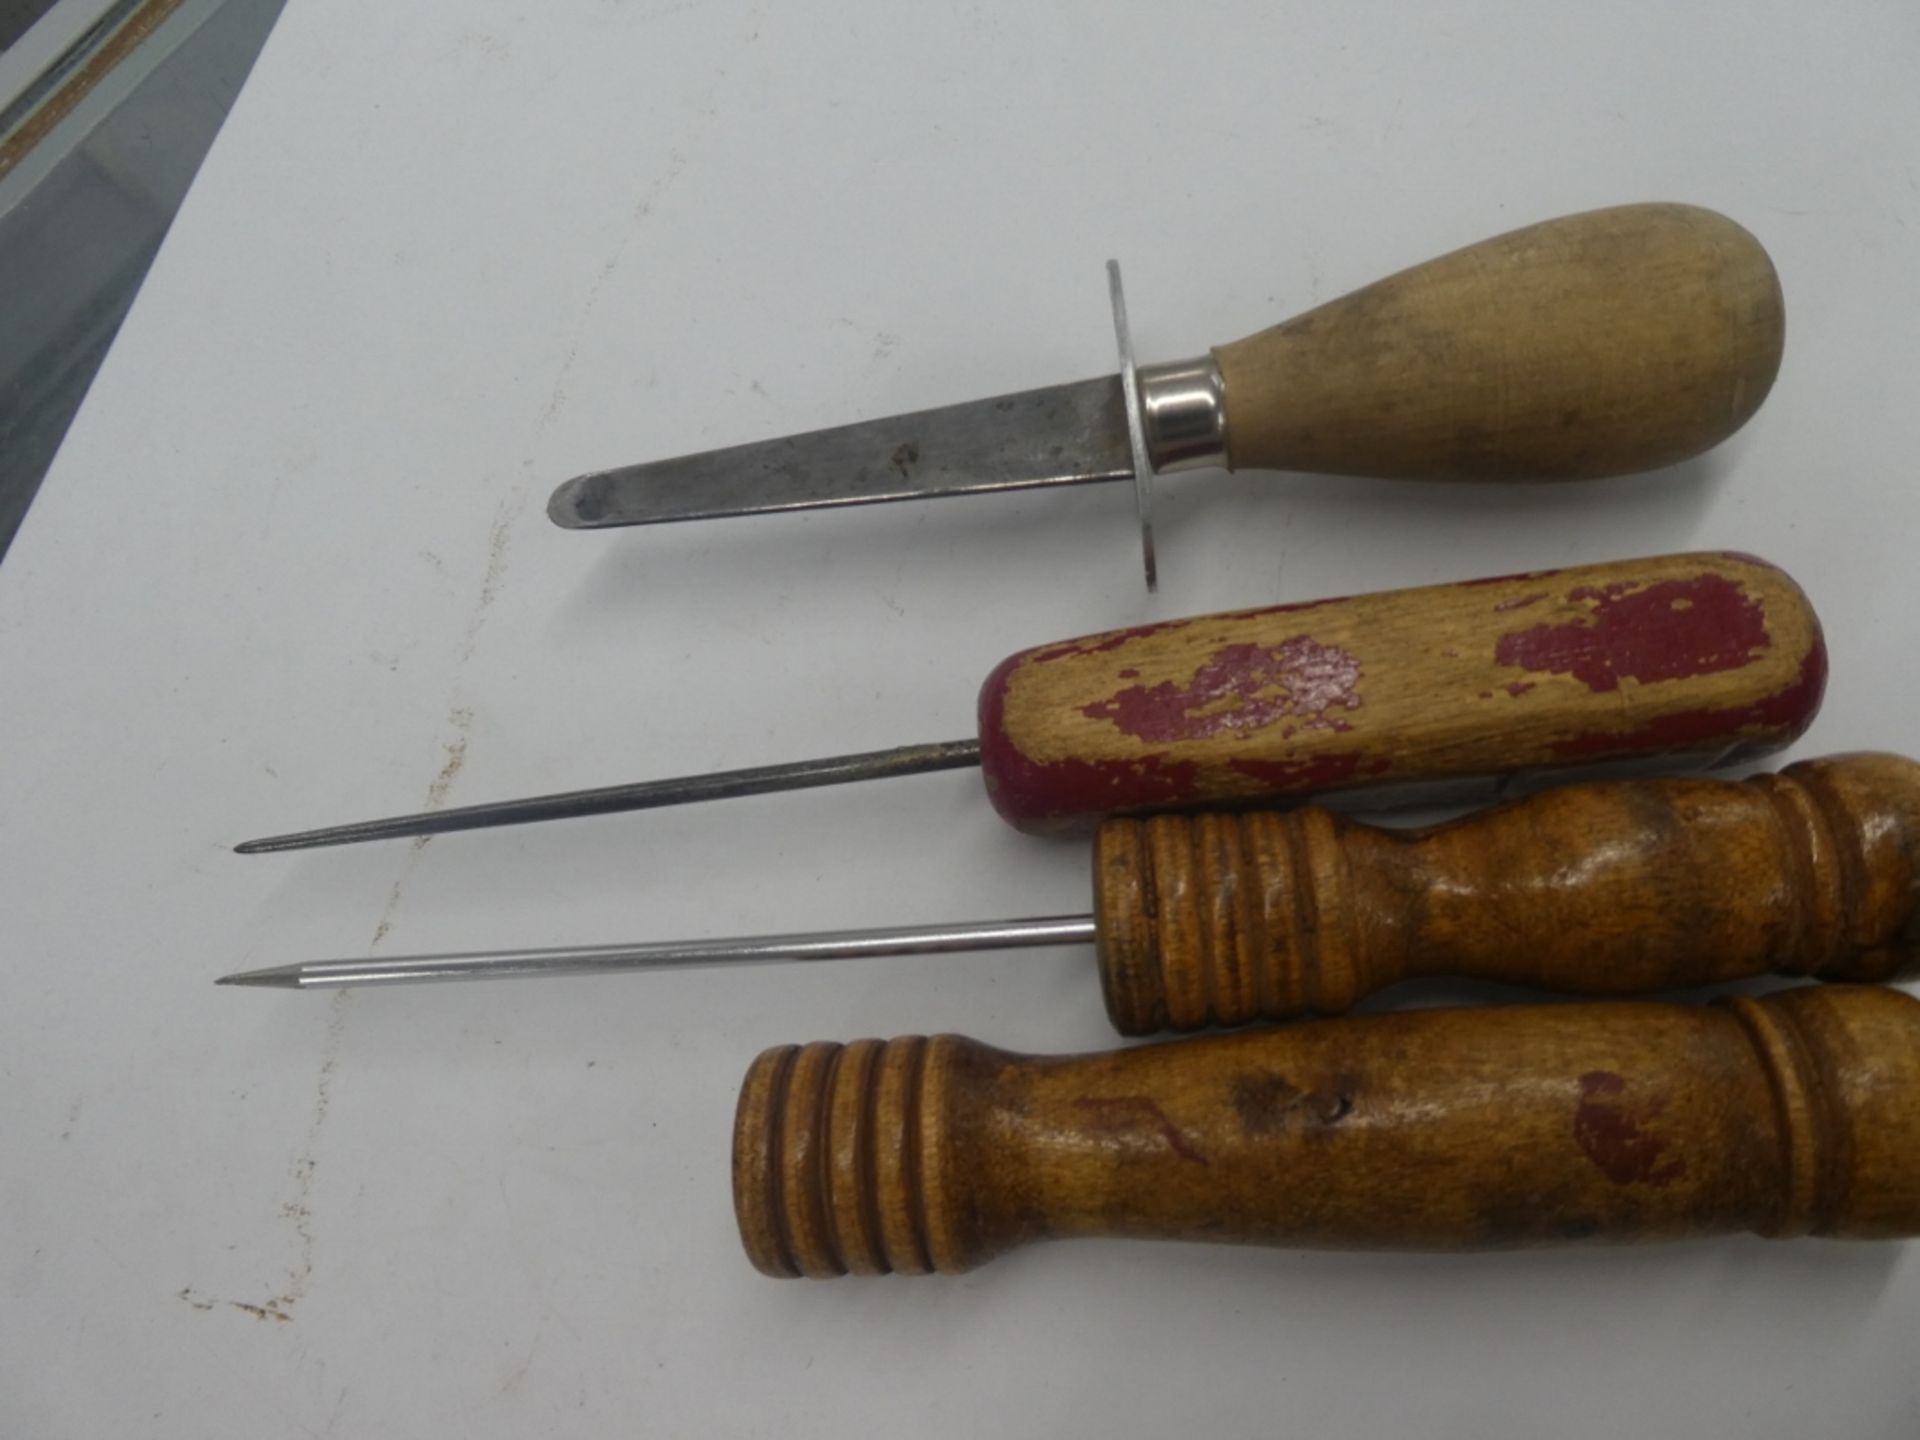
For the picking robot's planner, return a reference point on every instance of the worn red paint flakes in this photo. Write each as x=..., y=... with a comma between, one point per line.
x=1766, y=724
x=1296, y=607
x=1039, y=794
x=1316, y=772
x=1672, y=630
x=1502, y=579
x=1067, y=794
x=1296, y=685
x=1099, y=644
x=1611, y=1130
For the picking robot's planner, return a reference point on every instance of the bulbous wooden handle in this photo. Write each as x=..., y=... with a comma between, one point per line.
x=1438, y=1129
x=1603, y=889
x=1596, y=344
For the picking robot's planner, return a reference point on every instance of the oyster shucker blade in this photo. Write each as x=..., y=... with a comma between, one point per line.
x=1596, y=344
x=1059, y=435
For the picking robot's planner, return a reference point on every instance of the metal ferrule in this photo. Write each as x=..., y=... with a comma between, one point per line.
x=1183, y=408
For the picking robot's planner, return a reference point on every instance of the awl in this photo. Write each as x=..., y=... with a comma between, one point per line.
x=1610, y=888
x=1794, y=1114
x=1597, y=344
x=1440, y=692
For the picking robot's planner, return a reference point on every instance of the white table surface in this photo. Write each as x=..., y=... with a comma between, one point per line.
x=292, y=567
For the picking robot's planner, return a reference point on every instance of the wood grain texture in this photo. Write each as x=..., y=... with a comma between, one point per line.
x=1440, y=1129
x=1439, y=692
x=1597, y=344
x=1602, y=889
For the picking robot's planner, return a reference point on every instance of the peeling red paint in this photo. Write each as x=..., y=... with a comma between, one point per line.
x=1296, y=607
x=1063, y=795
x=1751, y=729
x=1097, y=644
x=1246, y=728
x=1068, y=794
x=1503, y=579
x=1118, y=1114
x=1612, y=1134
x=1114, y=639
x=1295, y=685
x=1315, y=772
x=1672, y=630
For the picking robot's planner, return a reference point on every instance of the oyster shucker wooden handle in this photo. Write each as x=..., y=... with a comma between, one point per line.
x=1596, y=344
x=1603, y=889
x=1440, y=1129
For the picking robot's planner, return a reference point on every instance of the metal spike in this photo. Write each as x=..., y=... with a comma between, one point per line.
x=601, y=959
x=645, y=795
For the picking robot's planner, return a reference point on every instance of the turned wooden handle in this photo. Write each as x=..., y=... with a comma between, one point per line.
x=1597, y=344
x=1605, y=889
x=1444, y=692
x=1796, y=1114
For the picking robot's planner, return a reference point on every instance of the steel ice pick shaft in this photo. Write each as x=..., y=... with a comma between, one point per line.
x=1410, y=696
x=1616, y=888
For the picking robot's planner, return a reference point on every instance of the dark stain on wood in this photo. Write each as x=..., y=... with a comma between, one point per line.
x=1612, y=1132
x=1268, y=1103
x=1121, y=1114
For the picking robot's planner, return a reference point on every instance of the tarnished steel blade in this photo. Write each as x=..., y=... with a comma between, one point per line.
x=1061, y=435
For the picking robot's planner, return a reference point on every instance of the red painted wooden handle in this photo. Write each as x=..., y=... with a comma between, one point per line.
x=1412, y=695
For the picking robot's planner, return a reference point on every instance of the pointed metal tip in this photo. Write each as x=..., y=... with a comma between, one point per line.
x=299, y=840
x=586, y=502
x=428, y=822
x=560, y=505
x=279, y=977
x=646, y=795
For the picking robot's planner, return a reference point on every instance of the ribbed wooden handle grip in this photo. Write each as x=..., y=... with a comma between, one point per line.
x=1605, y=889
x=1596, y=344
x=1795, y=1114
